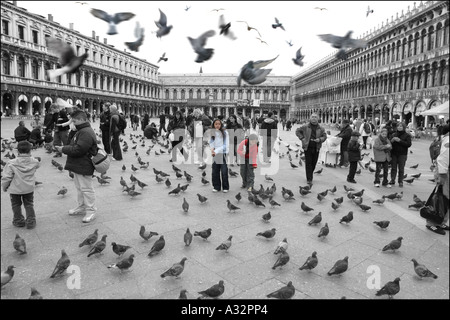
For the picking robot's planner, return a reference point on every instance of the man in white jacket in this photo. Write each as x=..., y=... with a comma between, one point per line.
x=365, y=130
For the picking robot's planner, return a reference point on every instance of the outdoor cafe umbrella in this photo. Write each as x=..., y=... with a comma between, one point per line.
x=437, y=111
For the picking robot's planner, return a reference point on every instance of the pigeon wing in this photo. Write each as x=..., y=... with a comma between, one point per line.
x=221, y=21
x=276, y=20
x=101, y=15
x=122, y=16
x=65, y=51
x=330, y=38
x=262, y=63
x=202, y=39
x=356, y=43
x=299, y=53
x=162, y=19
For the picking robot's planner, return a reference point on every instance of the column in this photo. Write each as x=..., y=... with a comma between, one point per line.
x=227, y=94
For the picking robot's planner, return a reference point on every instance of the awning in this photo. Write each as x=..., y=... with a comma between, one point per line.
x=438, y=110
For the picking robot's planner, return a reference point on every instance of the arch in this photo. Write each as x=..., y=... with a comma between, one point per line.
x=7, y=104
x=22, y=97
x=407, y=112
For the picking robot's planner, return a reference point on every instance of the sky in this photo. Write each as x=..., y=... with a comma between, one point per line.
x=302, y=23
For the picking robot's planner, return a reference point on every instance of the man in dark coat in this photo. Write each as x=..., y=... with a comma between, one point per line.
x=269, y=132
x=105, y=123
x=115, y=132
x=312, y=135
x=21, y=133
x=79, y=152
x=345, y=134
x=162, y=123
x=401, y=141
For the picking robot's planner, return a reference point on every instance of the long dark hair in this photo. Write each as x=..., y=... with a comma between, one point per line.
x=222, y=129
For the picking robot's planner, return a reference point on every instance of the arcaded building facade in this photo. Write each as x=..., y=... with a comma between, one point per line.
x=402, y=72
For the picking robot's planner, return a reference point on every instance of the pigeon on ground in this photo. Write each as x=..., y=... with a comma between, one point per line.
x=379, y=201
x=163, y=29
x=157, y=246
x=417, y=205
x=198, y=44
x=139, y=34
x=364, y=207
x=7, y=275
x=305, y=208
x=423, y=271
x=252, y=73
x=231, y=206
x=133, y=193
x=163, y=58
x=201, y=198
x=333, y=190
x=62, y=191
x=339, y=267
x=124, y=264
x=278, y=24
x=185, y=205
x=90, y=240
x=282, y=260
x=178, y=175
x=334, y=206
x=310, y=263
x=175, y=270
x=282, y=246
x=61, y=266
x=320, y=197
x=416, y=176
x=20, y=245
x=146, y=235
x=348, y=189
x=69, y=61
x=409, y=181
x=391, y=288
x=225, y=28
x=266, y=217
x=414, y=166
x=183, y=294
x=71, y=175
x=184, y=187
x=141, y=184
x=393, y=245
x=158, y=179
x=175, y=191
x=391, y=196
x=339, y=200
x=119, y=249
x=187, y=237
x=204, y=181
x=238, y=197
x=267, y=178
x=168, y=183
x=102, y=181
x=357, y=200
x=225, y=245
x=319, y=171
x=258, y=203
x=286, y=292
x=233, y=173
x=324, y=231
x=382, y=224
x=268, y=234
x=347, y=218
x=273, y=203
x=215, y=291
x=298, y=60
x=112, y=19
x=98, y=247
x=416, y=198
x=317, y=219
x=35, y=295
x=203, y=234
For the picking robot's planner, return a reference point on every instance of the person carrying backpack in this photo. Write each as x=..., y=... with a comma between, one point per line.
x=365, y=130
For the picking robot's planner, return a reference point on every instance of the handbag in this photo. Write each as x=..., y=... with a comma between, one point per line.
x=435, y=207
x=101, y=161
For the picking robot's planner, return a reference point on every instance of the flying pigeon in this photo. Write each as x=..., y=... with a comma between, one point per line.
x=225, y=28
x=368, y=11
x=394, y=244
x=90, y=240
x=69, y=61
x=146, y=235
x=311, y=262
x=266, y=217
x=175, y=270
x=98, y=247
x=422, y=271
x=203, y=234
x=61, y=266
x=112, y=19
x=391, y=288
x=187, y=8
x=225, y=245
x=343, y=43
x=232, y=206
x=35, y=295
x=250, y=28
x=278, y=24
x=7, y=275
x=124, y=264
x=198, y=46
x=139, y=34
x=157, y=246
x=185, y=205
x=290, y=43
x=163, y=29
x=215, y=291
x=339, y=267
x=252, y=73
x=305, y=208
x=347, y=218
x=20, y=245
x=324, y=231
x=268, y=234
x=321, y=9
x=282, y=260
x=382, y=224
x=217, y=10
x=286, y=292
x=187, y=237
x=282, y=246
x=163, y=58
x=317, y=219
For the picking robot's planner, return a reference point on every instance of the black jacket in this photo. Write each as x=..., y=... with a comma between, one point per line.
x=269, y=124
x=401, y=147
x=354, y=153
x=105, y=121
x=80, y=150
x=345, y=134
x=21, y=133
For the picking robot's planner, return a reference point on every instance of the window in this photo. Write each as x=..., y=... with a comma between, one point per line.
x=78, y=78
x=101, y=58
x=231, y=95
x=94, y=54
x=438, y=35
x=199, y=94
x=5, y=27
x=182, y=94
x=224, y=94
x=240, y=94
x=35, y=69
x=21, y=67
x=114, y=62
x=86, y=79
x=6, y=61
x=34, y=34
x=215, y=94
x=69, y=78
x=167, y=94
x=107, y=61
x=191, y=94
x=431, y=38
x=21, y=32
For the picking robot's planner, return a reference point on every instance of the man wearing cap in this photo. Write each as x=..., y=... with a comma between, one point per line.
x=312, y=135
x=346, y=132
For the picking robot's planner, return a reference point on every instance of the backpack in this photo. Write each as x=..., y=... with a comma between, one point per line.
x=101, y=161
x=367, y=127
x=122, y=125
x=435, y=148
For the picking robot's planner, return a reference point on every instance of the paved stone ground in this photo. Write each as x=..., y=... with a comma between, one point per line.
x=246, y=268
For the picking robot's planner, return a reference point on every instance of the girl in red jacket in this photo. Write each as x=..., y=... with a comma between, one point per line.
x=248, y=150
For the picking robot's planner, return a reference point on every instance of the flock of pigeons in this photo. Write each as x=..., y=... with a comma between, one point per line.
x=256, y=197
x=251, y=72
